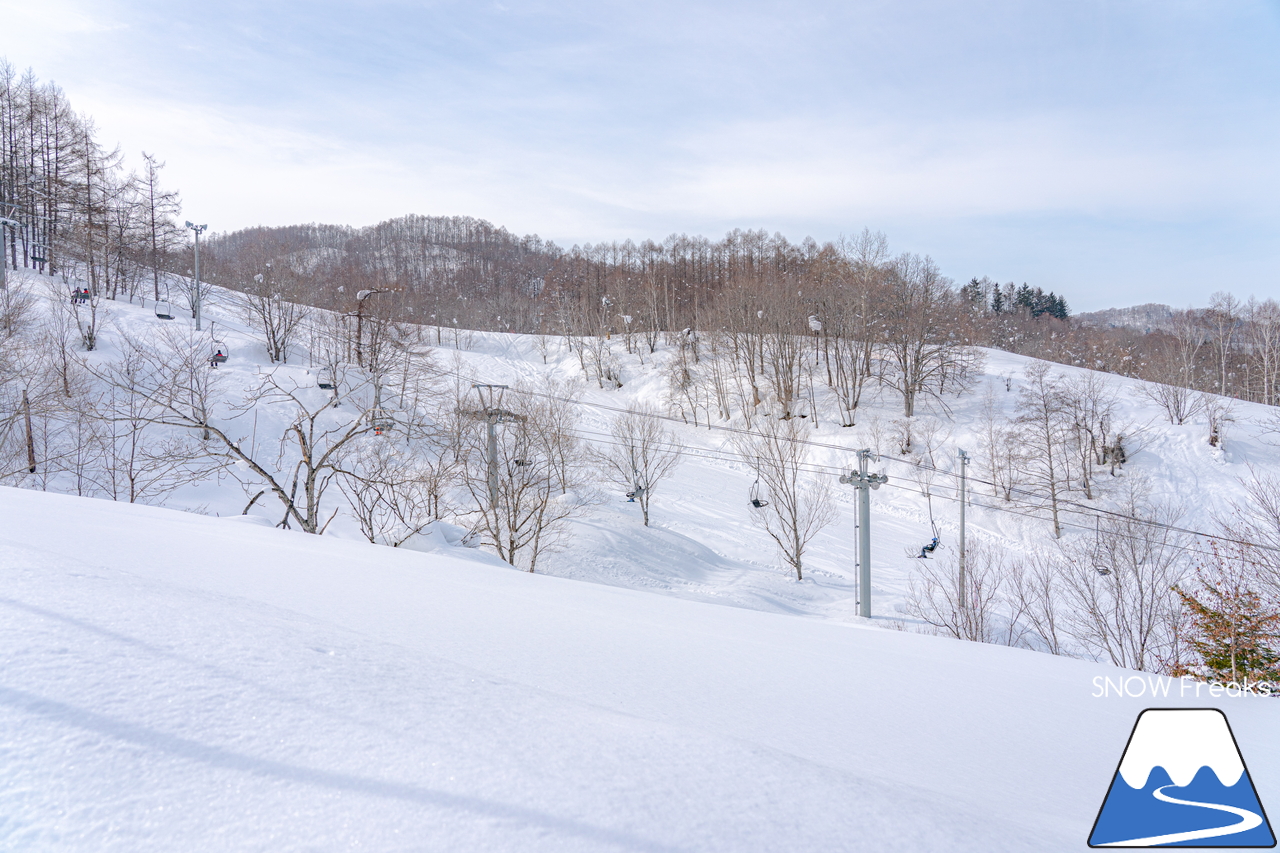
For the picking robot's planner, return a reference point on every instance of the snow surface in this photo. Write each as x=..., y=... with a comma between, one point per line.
x=701, y=544
x=181, y=681
x=177, y=682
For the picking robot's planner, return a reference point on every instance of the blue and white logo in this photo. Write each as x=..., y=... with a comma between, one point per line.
x=1182, y=783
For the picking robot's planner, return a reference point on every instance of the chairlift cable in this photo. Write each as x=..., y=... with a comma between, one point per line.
x=1065, y=505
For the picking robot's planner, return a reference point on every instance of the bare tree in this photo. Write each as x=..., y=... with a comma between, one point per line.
x=1179, y=402
x=173, y=377
x=1262, y=334
x=972, y=611
x=143, y=462
x=1003, y=448
x=160, y=210
x=394, y=492
x=642, y=454
x=1219, y=412
x=1256, y=521
x=1034, y=589
x=1223, y=319
x=1118, y=589
x=272, y=305
x=1089, y=407
x=798, y=505
x=851, y=321
x=922, y=353
x=1042, y=417
x=1174, y=369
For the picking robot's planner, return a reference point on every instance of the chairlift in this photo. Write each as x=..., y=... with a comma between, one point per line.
x=756, y=500
x=38, y=254
x=164, y=311
x=926, y=550
x=381, y=421
x=1098, y=565
x=325, y=380
x=220, y=354
x=79, y=295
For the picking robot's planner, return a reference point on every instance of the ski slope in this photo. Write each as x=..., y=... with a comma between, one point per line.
x=702, y=544
x=172, y=681
x=199, y=680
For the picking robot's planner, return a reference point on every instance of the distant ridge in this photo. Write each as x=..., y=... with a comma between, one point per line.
x=1146, y=318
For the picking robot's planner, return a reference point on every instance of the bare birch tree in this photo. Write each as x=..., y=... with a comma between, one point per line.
x=641, y=455
x=799, y=505
x=923, y=354
x=1118, y=589
x=1042, y=417
x=983, y=609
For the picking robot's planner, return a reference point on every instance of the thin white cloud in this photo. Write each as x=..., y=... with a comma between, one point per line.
x=598, y=121
x=53, y=18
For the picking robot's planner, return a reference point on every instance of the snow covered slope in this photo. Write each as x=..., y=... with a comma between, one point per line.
x=702, y=545
x=171, y=681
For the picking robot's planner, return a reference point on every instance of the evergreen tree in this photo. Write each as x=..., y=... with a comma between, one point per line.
x=1233, y=630
x=1025, y=298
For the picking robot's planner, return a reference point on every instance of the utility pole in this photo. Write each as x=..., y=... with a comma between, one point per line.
x=864, y=483
x=492, y=413
x=964, y=497
x=198, y=229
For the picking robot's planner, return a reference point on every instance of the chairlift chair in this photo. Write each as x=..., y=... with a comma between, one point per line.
x=1098, y=565
x=164, y=311
x=325, y=380
x=220, y=354
x=381, y=421
x=38, y=254
x=756, y=500
x=79, y=295
x=935, y=544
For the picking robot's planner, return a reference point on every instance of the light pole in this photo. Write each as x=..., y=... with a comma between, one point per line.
x=198, y=229
x=360, y=298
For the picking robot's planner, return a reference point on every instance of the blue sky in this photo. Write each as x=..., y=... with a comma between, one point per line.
x=1114, y=152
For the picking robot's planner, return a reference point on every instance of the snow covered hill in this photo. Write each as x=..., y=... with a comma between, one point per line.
x=177, y=682
x=702, y=543
x=199, y=680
